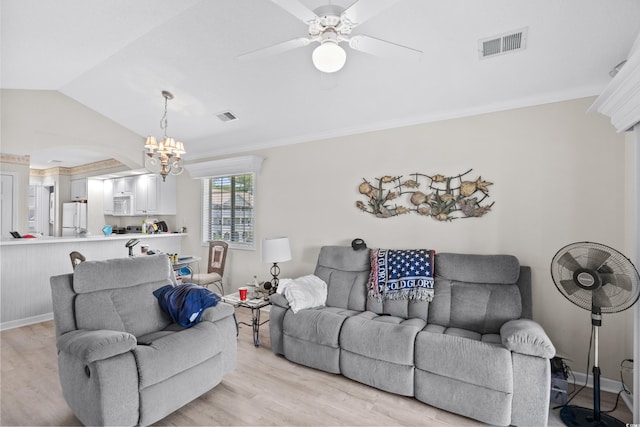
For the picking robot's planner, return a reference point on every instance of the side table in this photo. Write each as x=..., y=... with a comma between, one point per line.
x=255, y=304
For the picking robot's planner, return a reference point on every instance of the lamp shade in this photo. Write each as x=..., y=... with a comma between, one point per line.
x=276, y=249
x=329, y=57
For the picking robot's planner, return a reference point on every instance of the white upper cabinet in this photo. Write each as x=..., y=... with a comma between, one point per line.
x=151, y=196
x=79, y=189
x=107, y=186
x=146, y=197
x=124, y=185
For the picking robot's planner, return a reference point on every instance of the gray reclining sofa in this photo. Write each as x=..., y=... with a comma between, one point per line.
x=121, y=359
x=472, y=350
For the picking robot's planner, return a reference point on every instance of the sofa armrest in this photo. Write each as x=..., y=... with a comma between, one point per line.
x=527, y=337
x=217, y=312
x=279, y=300
x=93, y=345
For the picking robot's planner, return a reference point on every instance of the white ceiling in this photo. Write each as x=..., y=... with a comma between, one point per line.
x=116, y=56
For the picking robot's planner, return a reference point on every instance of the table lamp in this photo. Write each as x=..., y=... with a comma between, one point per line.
x=275, y=250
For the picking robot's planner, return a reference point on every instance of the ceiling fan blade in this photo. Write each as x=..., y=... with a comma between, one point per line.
x=276, y=49
x=620, y=280
x=378, y=47
x=298, y=10
x=569, y=262
x=569, y=286
x=600, y=298
x=361, y=11
x=596, y=257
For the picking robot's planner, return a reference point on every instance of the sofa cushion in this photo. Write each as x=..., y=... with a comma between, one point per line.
x=134, y=310
x=491, y=407
x=317, y=325
x=483, y=308
x=346, y=272
x=391, y=377
x=90, y=276
x=157, y=359
x=406, y=309
x=464, y=333
x=117, y=294
x=497, y=269
x=89, y=346
x=467, y=360
x=310, y=337
x=481, y=303
x=527, y=337
x=379, y=351
x=384, y=338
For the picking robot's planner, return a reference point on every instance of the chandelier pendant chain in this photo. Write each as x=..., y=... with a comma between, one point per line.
x=164, y=157
x=164, y=121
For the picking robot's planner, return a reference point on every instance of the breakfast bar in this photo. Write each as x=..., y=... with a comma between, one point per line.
x=27, y=265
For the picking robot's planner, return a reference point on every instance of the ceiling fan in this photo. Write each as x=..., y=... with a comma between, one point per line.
x=331, y=25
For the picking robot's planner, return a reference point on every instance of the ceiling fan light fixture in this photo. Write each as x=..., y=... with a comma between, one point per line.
x=329, y=57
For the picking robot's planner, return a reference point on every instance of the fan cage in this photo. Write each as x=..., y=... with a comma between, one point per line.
x=609, y=265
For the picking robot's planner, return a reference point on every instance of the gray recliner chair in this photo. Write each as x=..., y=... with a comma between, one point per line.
x=121, y=359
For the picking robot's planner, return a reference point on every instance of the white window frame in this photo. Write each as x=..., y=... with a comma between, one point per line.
x=205, y=221
x=227, y=167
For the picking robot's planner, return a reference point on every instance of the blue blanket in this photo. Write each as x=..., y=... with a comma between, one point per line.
x=185, y=303
x=401, y=274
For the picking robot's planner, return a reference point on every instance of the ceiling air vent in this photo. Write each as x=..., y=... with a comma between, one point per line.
x=227, y=116
x=502, y=43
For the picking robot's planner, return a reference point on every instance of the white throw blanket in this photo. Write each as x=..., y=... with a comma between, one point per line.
x=304, y=292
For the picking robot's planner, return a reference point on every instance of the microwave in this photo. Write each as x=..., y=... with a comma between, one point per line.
x=123, y=205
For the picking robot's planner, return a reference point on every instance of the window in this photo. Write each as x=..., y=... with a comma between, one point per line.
x=228, y=209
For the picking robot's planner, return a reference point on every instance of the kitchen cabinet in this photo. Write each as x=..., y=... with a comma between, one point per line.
x=149, y=194
x=146, y=195
x=107, y=203
x=79, y=189
x=124, y=185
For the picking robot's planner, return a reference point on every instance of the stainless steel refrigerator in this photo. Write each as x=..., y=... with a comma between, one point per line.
x=74, y=218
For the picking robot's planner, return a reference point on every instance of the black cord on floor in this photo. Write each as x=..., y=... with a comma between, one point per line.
x=586, y=381
x=624, y=388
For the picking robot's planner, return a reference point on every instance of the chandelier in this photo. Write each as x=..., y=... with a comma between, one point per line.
x=164, y=156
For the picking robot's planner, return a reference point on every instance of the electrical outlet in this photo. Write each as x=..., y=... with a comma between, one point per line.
x=627, y=365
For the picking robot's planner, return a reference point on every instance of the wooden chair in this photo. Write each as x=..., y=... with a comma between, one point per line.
x=215, y=268
x=76, y=258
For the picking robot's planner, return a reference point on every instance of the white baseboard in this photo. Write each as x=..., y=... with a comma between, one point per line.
x=24, y=322
x=606, y=384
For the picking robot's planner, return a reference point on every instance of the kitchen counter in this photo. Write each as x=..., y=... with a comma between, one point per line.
x=26, y=266
x=89, y=238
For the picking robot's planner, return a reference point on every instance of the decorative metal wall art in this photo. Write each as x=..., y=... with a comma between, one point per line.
x=440, y=197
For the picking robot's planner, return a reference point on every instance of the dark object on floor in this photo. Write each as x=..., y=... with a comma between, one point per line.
x=575, y=416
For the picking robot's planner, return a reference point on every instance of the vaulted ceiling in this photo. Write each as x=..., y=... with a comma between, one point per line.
x=116, y=56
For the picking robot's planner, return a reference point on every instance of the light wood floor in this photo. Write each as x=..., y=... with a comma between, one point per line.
x=264, y=390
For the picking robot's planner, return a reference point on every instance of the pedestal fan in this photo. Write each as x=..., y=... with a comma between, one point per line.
x=600, y=279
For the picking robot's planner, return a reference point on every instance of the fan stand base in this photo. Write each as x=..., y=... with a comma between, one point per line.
x=574, y=416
